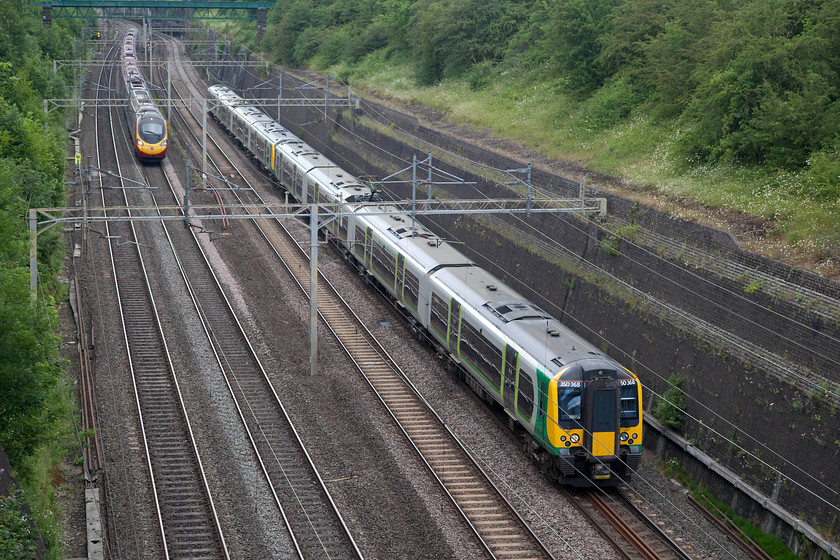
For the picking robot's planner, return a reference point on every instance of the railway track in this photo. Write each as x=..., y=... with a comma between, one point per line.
x=186, y=517
x=631, y=532
x=315, y=524
x=495, y=523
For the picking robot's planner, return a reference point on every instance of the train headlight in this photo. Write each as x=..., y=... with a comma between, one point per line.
x=139, y=142
x=575, y=438
x=625, y=436
x=163, y=144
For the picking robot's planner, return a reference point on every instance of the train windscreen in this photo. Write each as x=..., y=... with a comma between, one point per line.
x=152, y=130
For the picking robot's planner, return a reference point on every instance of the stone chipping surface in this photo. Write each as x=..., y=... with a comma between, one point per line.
x=391, y=504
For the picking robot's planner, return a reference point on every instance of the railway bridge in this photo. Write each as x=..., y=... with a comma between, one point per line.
x=156, y=9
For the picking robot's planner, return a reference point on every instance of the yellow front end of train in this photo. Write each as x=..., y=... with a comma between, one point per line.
x=594, y=421
x=151, y=136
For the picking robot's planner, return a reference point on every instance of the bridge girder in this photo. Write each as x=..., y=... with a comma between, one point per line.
x=164, y=9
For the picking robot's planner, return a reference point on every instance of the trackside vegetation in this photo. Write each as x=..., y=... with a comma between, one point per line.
x=35, y=403
x=734, y=105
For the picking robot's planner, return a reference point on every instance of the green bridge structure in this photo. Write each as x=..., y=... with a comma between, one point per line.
x=155, y=9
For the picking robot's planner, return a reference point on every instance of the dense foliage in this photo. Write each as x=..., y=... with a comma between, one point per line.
x=33, y=405
x=31, y=173
x=748, y=83
x=16, y=537
x=670, y=407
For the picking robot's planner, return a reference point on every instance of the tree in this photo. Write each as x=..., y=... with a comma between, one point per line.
x=577, y=28
x=670, y=407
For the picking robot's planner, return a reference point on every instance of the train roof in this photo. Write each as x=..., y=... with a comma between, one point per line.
x=529, y=327
x=418, y=244
x=220, y=90
x=272, y=131
x=149, y=113
x=229, y=97
x=342, y=185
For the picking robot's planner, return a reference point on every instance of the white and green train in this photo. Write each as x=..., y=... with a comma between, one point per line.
x=580, y=408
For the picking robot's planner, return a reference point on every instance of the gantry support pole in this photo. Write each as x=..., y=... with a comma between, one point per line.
x=313, y=290
x=33, y=255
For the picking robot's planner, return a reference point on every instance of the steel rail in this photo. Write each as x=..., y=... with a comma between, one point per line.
x=314, y=522
x=186, y=516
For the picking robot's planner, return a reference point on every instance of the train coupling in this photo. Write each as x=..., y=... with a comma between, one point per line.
x=601, y=471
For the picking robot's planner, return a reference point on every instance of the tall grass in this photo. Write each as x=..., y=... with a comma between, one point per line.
x=609, y=133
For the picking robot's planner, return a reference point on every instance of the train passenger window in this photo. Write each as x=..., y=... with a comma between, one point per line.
x=384, y=264
x=481, y=354
x=440, y=316
x=411, y=292
x=568, y=401
x=629, y=406
x=342, y=229
x=525, y=397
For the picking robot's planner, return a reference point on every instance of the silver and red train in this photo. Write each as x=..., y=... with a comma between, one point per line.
x=146, y=124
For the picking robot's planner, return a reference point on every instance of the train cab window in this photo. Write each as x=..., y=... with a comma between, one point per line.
x=439, y=316
x=152, y=130
x=629, y=406
x=525, y=397
x=568, y=401
x=411, y=291
x=481, y=354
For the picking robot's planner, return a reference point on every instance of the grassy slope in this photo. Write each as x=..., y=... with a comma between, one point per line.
x=534, y=111
x=537, y=114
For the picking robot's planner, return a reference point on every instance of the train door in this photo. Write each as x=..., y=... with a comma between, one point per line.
x=368, y=248
x=509, y=381
x=454, y=320
x=400, y=276
x=601, y=417
x=332, y=221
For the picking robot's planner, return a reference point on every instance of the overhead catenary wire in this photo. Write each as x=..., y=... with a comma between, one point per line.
x=656, y=256
x=552, y=399
x=542, y=233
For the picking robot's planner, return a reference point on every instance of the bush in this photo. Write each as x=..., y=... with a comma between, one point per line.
x=822, y=176
x=670, y=407
x=610, y=105
x=17, y=539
